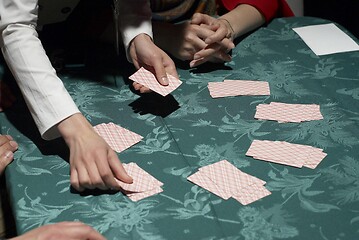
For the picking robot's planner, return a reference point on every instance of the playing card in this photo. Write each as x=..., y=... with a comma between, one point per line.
x=225, y=180
x=147, y=79
x=251, y=194
x=144, y=184
x=142, y=181
x=284, y=112
x=203, y=181
x=118, y=138
x=238, y=87
x=141, y=195
x=290, y=154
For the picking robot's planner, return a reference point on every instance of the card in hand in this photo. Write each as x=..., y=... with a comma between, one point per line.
x=144, y=184
x=148, y=79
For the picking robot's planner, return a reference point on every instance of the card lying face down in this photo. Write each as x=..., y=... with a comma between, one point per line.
x=118, y=138
x=284, y=112
x=229, y=88
x=148, y=79
x=144, y=184
x=295, y=155
x=225, y=180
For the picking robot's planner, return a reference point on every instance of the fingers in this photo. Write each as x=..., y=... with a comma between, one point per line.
x=63, y=231
x=74, y=180
x=78, y=230
x=213, y=50
x=199, y=18
x=139, y=87
x=117, y=168
x=160, y=71
x=213, y=30
x=220, y=33
x=7, y=147
x=5, y=159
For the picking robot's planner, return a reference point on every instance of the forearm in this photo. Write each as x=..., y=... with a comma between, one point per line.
x=244, y=18
x=43, y=91
x=134, y=19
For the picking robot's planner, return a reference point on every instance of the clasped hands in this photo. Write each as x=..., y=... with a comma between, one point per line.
x=209, y=39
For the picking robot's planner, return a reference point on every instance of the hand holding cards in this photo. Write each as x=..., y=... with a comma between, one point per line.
x=144, y=185
x=147, y=79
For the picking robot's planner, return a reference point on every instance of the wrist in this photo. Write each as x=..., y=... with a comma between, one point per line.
x=230, y=30
x=73, y=126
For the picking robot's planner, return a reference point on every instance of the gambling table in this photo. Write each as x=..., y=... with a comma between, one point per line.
x=187, y=130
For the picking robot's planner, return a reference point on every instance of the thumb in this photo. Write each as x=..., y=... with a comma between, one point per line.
x=5, y=159
x=160, y=72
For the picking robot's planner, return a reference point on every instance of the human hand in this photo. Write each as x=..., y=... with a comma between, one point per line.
x=93, y=164
x=62, y=231
x=218, y=44
x=184, y=40
x=7, y=147
x=144, y=53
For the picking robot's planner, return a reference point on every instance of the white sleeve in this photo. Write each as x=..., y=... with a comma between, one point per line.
x=44, y=93
x=134, y=19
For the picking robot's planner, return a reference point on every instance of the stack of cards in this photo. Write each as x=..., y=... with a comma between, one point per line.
x=225, y=180
x=229, y=88
x=284, y=112
x=147, y=79
x=295, y=155
x=118, y=138
x=144, y=185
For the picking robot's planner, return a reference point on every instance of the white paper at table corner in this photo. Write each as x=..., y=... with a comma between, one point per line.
x=326, y=39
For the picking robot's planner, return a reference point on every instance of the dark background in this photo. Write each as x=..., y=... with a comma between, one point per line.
x=344, y=12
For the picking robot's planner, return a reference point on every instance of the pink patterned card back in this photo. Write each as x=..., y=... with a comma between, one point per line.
x=142, y=181
x=238, y=87
x=148, y=79
x=118, y=138
x=284, y=112
x=296, y=155
x=251, y=194
x=225, y=180
x=203, y=181
x=141, y=195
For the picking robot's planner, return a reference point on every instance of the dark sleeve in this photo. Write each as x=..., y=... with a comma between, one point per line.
x=269, y=8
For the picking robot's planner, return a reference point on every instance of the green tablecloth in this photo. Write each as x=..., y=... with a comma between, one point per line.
x=189, y=129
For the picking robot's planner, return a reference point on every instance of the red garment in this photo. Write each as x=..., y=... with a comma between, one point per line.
x=269, y=8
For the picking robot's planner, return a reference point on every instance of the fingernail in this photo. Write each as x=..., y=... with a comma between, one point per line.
x=164, y=80
x=191, y=64
x=14, y=144
x=9, y=154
